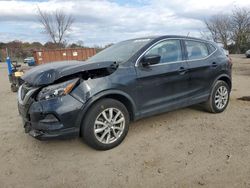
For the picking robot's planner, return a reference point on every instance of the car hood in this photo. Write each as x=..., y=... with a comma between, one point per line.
x=49, y=73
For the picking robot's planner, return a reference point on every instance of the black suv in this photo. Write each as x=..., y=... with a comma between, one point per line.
x=133, y=79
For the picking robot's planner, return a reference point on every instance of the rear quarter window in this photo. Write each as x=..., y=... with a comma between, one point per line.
x=196, y=50
x=211, y=48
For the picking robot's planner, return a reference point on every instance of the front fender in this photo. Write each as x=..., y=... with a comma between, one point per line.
x=101, y=95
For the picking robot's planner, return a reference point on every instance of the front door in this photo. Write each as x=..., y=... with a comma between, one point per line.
x=163, y=86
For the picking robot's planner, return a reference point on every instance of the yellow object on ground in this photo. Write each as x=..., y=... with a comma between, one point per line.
x=18, y=74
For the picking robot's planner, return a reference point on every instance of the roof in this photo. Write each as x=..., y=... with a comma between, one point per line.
x=159, y=37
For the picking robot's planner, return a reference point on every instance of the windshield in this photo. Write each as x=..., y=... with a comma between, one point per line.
x=120, y=52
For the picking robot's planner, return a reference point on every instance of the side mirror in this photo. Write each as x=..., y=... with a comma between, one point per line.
x=150, y=60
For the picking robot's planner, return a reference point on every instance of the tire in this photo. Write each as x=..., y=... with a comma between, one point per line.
x=13, y=88
x=96, y=125
x=212, y=105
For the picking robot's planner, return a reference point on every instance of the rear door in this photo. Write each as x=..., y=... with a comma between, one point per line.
x=201, y=67
x=161, y=86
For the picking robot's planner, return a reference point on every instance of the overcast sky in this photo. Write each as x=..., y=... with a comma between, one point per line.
x=105, y=21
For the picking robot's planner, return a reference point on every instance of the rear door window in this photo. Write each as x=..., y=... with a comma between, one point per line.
x=196, y=50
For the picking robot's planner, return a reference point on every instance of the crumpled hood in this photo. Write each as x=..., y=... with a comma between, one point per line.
x=49, y=73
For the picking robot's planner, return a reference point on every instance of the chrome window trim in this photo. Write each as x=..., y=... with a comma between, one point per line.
x=173, y=62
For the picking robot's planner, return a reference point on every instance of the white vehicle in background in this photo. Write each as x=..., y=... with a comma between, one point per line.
x=248, y=53
x=28, y=59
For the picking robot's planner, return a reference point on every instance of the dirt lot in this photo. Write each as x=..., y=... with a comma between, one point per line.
x=184, y=148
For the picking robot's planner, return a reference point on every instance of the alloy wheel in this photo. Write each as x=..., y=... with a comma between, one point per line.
x=221, y=97
x=109, y=125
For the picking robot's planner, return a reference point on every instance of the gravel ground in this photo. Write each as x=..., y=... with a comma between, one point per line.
x=183, y=148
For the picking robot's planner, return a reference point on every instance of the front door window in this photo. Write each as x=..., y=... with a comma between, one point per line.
x=169, y=50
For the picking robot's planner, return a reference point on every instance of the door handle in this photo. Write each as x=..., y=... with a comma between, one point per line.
x=182, y=70
x=214, y=65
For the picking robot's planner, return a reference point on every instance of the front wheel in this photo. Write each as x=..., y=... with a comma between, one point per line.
x=106, y=124
x=219, y=97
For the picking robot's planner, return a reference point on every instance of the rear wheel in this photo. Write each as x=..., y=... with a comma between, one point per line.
x=219, y=97
x=106, y=124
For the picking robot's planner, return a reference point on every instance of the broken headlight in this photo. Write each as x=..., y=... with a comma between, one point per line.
x=57, y=90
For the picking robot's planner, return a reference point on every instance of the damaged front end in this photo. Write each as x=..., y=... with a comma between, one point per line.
x=49, y=112
x=53, y=72
x=53, y=96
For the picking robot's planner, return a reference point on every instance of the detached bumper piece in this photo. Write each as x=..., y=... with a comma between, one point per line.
x=63, y=134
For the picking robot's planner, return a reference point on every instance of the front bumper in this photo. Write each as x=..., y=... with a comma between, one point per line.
x=51, y=119
x=62, y=134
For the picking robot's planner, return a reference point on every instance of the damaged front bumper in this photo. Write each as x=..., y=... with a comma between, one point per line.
x=50, y=119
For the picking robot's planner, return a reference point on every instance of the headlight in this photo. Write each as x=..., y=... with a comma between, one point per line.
x=56, y=90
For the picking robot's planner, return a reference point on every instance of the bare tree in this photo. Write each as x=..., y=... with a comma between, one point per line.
x=240, y=23
x=56, y=25
x=219, y=27
x=231, y=29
